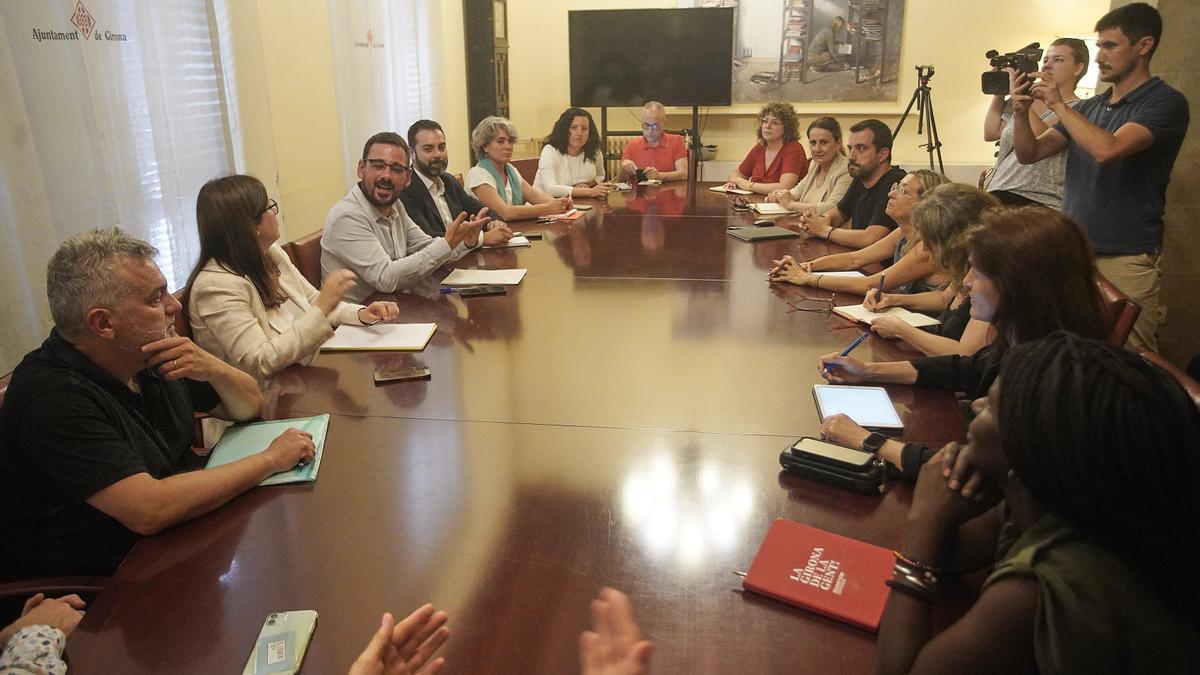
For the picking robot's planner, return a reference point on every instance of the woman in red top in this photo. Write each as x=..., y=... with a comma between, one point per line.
x=778, y=160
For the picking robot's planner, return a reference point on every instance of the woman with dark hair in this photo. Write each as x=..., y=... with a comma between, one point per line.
x=777, y=161
x=248, y=304
x=1032, y=273
x=572, y=164
x=828, y=176
x=1095, y=453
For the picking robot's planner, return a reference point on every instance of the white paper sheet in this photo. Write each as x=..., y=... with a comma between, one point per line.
x=484, y=277
x=383, y=337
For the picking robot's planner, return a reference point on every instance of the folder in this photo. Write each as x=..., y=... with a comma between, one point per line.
x=243, y=440
x=760, y=233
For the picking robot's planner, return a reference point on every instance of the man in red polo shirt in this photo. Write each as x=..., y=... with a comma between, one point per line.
x=661, y=155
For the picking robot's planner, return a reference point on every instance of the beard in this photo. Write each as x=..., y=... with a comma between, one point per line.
x=434, y=168
x=385, y=202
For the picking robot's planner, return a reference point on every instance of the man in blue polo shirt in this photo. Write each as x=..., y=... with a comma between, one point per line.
x=1121, y=145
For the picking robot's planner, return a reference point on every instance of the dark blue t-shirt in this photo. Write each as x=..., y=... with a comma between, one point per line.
x=1120, y=205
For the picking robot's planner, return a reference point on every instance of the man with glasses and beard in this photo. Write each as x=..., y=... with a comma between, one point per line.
x=368, y=233
x=863, y=206
x=435, y=198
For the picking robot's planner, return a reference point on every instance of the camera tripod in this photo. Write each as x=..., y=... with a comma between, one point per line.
x=921, y=98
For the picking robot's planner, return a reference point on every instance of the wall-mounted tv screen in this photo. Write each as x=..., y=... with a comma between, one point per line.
x=625, y=57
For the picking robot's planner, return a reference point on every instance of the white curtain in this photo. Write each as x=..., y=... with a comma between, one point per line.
x=385, y=55
x=110, y=114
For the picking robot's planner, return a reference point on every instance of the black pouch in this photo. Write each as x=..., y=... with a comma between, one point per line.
x=835, y=465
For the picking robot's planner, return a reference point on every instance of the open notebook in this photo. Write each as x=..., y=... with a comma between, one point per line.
x=242, y=440
x=864, y=315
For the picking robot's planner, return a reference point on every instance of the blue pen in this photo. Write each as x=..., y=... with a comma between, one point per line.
x=850, y=347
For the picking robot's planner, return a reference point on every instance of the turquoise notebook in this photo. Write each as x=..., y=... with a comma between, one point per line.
x=242, y=440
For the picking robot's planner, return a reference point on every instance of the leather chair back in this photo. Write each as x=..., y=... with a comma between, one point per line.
x=1120, y=313
x=305, y=253
x=1191, y=386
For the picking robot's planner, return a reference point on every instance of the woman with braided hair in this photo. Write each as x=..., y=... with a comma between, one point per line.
x=1095, y=453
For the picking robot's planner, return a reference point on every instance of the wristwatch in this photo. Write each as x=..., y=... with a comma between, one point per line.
x=874, y=442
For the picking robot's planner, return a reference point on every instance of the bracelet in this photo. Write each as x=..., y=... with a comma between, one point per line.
x=817, y=281
x=905, y=560
x=751, y=186
x=829, y=234
x=911, y=591
x=923, y=578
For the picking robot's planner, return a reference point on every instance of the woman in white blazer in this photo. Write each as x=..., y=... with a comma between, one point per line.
x=248, y=304
x=828, y=176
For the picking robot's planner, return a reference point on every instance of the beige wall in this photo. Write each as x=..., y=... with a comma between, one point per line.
x=950, y=34
x=1175, y=61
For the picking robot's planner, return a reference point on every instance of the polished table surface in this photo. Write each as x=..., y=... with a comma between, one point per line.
x=616, y=419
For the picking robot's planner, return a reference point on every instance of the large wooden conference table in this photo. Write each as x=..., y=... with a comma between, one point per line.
x=615, y=420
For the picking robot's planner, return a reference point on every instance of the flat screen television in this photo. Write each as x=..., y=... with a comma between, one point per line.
x=625, y=57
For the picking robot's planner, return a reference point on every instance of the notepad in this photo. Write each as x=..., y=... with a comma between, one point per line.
x=850, y=274
x=842, y=578
x=869, y=407
x=402, y=337
x=864, y=315
x=770, y=209
x=760, y=233
x=734, y=191
x=484, y=277
x=243, y=440
x=511, y=243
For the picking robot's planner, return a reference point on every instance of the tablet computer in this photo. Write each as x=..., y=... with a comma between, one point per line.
x=869, y=407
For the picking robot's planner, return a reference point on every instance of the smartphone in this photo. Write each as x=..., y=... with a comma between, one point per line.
x=815, y=448
x=402, y=374
x=528, y=235
x=282, y=642
x=482, y=291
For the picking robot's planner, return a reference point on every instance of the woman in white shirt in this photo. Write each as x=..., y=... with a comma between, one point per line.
x=828, y=176
x=495, y=181
x=248, y=304
x=572, y=164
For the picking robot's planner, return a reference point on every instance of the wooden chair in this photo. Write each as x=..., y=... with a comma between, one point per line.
x=305, y=253
x=1192, y=387
x=1120, y=313
x=527, y=168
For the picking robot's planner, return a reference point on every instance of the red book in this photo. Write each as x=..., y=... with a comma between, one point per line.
x=823, y=572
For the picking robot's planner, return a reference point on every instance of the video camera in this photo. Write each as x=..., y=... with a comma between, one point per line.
x=1027, y=59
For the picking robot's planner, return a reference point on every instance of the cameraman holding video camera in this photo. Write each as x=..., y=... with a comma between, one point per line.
x=1040, y=183
x=1121, y=145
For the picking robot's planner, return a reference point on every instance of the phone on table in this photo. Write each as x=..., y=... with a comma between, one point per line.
x=482, y=291
x=282, y=643
x=531, y=236
x=402, y=374
x=829, y=453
